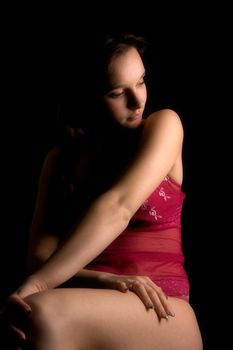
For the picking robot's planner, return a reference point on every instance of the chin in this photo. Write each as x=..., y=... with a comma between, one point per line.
x=132, y=124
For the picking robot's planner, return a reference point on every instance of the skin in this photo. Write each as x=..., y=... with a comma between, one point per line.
x=122, y=312
x=127, y=96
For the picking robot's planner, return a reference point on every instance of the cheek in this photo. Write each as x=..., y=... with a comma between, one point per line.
x=113, y=106
x=116, y=110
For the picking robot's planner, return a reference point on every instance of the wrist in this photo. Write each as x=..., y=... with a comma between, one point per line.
x=103, y=277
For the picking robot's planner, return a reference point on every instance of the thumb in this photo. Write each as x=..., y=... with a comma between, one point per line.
x=15, y=299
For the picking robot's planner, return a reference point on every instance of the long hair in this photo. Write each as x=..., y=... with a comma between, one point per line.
x=84, y=105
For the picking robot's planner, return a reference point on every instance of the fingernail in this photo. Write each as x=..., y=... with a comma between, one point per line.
x=165, y=316
x=170, y=313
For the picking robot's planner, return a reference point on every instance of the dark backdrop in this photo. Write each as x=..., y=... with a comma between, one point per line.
x=185, y=60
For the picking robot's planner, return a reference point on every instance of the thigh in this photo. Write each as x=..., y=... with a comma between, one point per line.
x=109, y=319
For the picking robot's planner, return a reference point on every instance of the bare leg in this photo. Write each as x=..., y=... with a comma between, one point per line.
x=96, y=319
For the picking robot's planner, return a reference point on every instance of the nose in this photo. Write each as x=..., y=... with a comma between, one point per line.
x=134, y=100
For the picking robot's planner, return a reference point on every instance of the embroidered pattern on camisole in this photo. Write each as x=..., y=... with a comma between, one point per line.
x=151, y=244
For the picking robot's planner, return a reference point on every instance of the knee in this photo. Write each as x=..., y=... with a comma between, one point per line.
x=43, y=316
x=52, y=322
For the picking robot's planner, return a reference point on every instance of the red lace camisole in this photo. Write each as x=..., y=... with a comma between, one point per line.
x=151, y=244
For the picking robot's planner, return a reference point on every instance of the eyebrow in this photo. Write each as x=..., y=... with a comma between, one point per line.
x=121, y=86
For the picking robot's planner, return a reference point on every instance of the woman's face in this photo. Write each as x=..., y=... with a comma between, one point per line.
x=126, y=96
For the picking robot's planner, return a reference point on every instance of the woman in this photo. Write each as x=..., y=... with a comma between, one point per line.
x=107, y=219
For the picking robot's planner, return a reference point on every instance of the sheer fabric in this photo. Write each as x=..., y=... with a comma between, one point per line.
x=151, y=244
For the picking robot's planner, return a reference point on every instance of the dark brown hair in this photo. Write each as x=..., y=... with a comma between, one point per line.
x=94, y=60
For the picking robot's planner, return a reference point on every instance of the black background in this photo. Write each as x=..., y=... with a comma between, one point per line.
x=187, y=60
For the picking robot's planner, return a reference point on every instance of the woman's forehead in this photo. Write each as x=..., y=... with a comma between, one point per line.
x=127, y=65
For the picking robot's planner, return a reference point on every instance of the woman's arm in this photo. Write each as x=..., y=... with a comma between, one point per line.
x=44, y=240
x=43, y=243
x=109, y=215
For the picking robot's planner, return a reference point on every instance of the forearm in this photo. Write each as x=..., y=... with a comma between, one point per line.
x=103, y=222
x=44, y=249
x=41, y=247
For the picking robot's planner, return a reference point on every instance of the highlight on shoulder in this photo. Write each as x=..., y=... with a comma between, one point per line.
x=165, y=118
x=164, y=113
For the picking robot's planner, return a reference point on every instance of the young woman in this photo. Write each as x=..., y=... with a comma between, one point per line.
x=107, y=267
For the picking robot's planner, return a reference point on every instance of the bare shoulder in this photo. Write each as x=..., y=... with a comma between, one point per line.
x=164, y=119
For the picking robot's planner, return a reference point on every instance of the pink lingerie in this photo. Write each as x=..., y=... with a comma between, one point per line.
x=151, y=244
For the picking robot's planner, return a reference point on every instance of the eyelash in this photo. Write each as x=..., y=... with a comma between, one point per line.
x=118, y=94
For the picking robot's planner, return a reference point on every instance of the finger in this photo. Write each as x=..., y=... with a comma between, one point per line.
x=162, y=296
x=122, y=286
x=18, y=333
x=164, y=301
x=158, y=305
x=19, y=302
x=139, y=289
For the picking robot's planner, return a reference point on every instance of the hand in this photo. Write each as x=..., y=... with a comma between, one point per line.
x=14, y=321
x=150, y=294
x=15, y=312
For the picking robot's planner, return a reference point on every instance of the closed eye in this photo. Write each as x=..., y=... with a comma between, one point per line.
x=115, y=94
